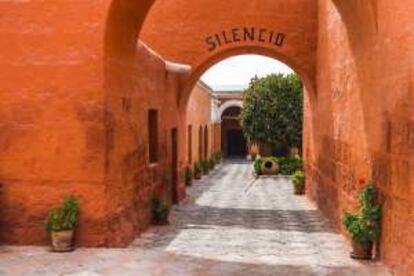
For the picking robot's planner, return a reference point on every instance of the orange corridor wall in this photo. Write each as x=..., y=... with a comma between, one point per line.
x=199, y=116
x=362, y=124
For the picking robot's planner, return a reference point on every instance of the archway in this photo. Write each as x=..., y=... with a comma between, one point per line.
x=229, y=104
x=129, y=68
x=233, y=141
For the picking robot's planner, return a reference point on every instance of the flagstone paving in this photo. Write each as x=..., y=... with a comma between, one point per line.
x=230, y=224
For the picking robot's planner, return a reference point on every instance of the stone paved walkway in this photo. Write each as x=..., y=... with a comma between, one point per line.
x=228, y=225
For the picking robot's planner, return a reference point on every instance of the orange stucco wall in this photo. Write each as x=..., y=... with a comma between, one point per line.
x=362, y=122
x=131, y=181
x=199, y=20
x=52, y=136
x=76, y=87
x=199, y=116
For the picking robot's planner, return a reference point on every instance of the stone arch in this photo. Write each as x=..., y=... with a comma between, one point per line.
x=307, y=76
x=228, y=104
x=121, y=59
x=123, y=25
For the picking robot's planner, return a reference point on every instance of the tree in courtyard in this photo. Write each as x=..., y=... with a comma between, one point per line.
x=273, y=111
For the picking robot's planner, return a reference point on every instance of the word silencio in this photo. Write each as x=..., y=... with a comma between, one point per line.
x=246, y=34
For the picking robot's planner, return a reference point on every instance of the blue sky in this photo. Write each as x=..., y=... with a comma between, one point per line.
x=238, y=70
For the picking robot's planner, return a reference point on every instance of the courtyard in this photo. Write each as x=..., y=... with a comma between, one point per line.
x=230, y=224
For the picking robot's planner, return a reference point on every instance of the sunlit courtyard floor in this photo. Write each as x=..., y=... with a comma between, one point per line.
x=230, y=224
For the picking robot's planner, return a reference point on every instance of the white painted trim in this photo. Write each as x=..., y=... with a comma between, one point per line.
x=228, y=104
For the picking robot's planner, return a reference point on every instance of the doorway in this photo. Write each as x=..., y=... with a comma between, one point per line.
x=174, y=165
x=236, y=144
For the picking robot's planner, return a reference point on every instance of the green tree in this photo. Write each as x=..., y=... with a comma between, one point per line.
x=273, y=111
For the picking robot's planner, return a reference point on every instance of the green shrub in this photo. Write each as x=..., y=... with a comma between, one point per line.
x=258, y=166
x=216, y=156
x=211, y=163
x=63, y=218
x=197, y=168
x=290, y=165
x=204, y=166
x=298, y=178
x=365, y=226
x=159, y=209
x=188, y=176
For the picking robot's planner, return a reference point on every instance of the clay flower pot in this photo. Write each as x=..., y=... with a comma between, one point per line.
x=361, y=251
x=63, y=241
x=197, y=175
x=299, y=189
x=161, y=218
x=270, y=167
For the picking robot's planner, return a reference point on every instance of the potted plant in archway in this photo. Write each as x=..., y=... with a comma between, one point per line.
x=197, y=170
x=298, y=179
x=61, y=223
x=160, y=212
x=364, y=227
x=188, y=176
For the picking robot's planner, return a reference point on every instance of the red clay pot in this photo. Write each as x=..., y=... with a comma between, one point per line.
x=299, y=190
x=361, y=251
x=62, y=241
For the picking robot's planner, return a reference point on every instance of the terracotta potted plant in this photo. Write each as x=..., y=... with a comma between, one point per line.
x=197, y=172
x=61, y=223
x=211, y=163
x=160, y=212
x=298, y=180
x=204, y=167
x=188, y=176
x=364, y=227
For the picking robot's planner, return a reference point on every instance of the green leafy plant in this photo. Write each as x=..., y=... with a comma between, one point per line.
x=273, y=111
x=216, y=157
x=160, y=210
x=257, y=165
x=188, y=176
x=211, y=163
x=197, y=170
x=63, y=218
x=298, y=178
x=289, y=165
x=204, y=166
x=364, y=227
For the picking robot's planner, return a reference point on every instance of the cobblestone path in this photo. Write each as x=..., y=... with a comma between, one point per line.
x=230, y=224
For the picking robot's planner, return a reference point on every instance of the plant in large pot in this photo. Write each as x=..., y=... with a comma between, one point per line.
x=204, y=166
x=364, y=227
x=217, y=157
x=188, y=176
x=160, y=212
x=197, y=171
x=61, y=223
x=211, y=163
x=298, y=180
